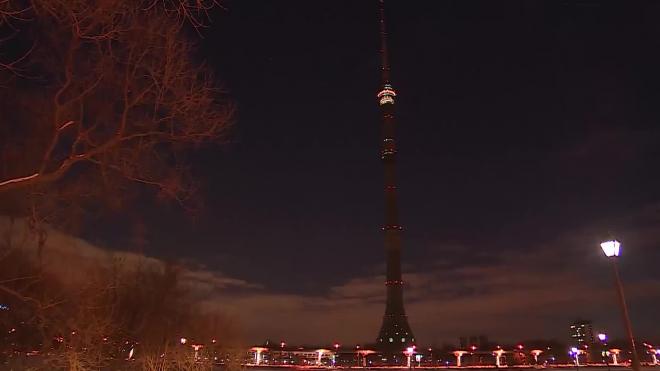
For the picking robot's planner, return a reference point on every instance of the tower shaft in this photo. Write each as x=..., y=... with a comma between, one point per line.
x=395, y=333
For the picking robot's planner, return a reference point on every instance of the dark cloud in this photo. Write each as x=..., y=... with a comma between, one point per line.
x=525, y=292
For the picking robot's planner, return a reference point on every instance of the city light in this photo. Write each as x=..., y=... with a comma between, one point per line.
x=602, y=337
x=459, y=354
x=257, y=354
x=183, y=340
x=319, y=360
x=498, y=357
x=409, y=353
x=536, y=353
x=611, y=248
x=615, y=355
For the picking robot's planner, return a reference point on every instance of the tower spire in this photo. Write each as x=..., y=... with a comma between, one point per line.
x=384, y=57
x=395, y=333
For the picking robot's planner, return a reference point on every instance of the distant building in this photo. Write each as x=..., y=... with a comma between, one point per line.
x=481, y=342
x=582, y=332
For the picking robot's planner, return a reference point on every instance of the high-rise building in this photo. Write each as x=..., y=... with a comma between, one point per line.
x=395, y=333
x=582, y=332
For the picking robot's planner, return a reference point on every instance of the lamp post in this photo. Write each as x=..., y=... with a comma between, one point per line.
x=409, y=353
x=257, y=354
x=459, y=354
x=615, y=356
x=576, y=352
x=319, y=356
x=612, y=250
x=335, y=355
x=498, y=357
x=604, y=353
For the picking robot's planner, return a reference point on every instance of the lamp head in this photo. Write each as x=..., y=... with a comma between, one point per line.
x=611, y=248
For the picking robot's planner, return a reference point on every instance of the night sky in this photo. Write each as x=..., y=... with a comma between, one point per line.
x=527, y=132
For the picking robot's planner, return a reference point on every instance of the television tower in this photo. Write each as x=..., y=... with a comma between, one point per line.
x=395, y=333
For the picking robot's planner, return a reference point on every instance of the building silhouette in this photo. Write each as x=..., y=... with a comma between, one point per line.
x=395, y=333
x=481, y=342
x=582, y=332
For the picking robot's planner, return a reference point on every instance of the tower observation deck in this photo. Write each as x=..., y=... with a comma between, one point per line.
x=395, y=332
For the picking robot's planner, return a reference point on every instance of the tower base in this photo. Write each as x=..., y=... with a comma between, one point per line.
x=395, y=334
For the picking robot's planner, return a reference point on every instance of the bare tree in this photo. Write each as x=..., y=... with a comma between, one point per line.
x=113, y=98
x=99, y=100
x=127, y=315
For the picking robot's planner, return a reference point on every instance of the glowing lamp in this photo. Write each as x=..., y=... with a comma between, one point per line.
x=183, y=340
x=602, y=337
x=574, y=350
x=410, y=350
x=611, y=248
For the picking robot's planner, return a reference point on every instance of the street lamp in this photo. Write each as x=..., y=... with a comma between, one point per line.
x=576, y=351
x=604, y=353
x=612, y=250
x=498, y=357
x=459, y=355
x=409, y=353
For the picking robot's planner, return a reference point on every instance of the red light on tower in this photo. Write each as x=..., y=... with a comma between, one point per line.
x=336, y=345
x=520, y=346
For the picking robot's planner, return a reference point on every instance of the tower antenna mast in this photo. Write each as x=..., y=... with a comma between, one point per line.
x=395, y=333
x=384, y=57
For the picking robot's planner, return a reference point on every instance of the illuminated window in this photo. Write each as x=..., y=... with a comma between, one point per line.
x=386, y=99
x=403, y=340
x=391, y=340
x=386, y=95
